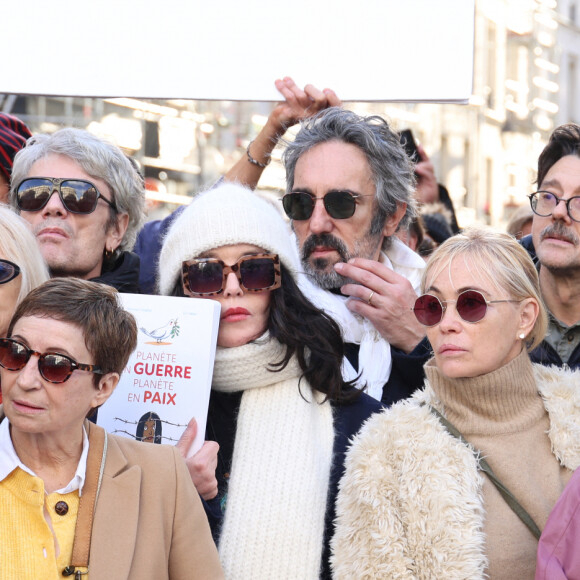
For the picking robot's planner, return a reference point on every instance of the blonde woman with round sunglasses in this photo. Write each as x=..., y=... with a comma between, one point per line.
x=418, y=499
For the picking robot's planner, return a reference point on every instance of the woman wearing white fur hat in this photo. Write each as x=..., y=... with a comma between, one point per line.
x=279, y=409
x=417, y=499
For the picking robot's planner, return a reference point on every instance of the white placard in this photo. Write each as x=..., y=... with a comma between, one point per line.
x=371, y=50
x=168, y=378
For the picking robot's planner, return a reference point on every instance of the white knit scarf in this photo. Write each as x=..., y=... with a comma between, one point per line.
x=374, y=358
x=276, y=503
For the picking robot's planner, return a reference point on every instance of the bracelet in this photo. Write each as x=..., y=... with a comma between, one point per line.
x=254, y=161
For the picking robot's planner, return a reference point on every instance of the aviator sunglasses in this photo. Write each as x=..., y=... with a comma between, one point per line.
x=299, y=205
x=52, y=366
x=76, y=195
x=207, y=276
x=471, y=306
x=8, y=271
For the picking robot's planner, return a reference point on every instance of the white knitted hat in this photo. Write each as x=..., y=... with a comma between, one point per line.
x=229, y=214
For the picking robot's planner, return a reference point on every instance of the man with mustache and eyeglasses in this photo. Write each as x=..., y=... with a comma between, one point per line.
x=555, y=245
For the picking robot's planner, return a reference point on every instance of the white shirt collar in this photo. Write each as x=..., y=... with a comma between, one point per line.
x=9, y=460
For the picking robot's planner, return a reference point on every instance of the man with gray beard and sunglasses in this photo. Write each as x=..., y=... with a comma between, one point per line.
x=349, y=187
x=554, y=244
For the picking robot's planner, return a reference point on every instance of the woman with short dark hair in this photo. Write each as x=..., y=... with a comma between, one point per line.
x=75, y=500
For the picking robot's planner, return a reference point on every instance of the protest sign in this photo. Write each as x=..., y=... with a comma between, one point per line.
x=168, y=377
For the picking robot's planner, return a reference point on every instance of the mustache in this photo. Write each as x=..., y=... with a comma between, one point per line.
x=326, y=240
x=559, y=230
x=53, y=223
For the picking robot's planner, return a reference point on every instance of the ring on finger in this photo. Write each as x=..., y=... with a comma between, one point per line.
x=370, y=297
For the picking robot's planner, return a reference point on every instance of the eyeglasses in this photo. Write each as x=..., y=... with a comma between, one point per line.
x=8, y=271
x=76, y=195
x=544, y=203
x=471, y=305
x=207, y=276
x=340, y=205
x=52, y=366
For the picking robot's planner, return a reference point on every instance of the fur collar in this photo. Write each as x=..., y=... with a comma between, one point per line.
x=388, y=449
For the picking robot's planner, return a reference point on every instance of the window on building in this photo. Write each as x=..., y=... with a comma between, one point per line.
x=571, y=89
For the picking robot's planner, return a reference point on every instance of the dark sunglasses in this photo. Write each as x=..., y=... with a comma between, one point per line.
x=340, y=205
x=471, y=305
x=52, y=366
x=8, y=271
x=207, y=276
x=76, y=195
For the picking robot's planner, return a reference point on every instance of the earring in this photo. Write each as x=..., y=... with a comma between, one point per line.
x=521, y=336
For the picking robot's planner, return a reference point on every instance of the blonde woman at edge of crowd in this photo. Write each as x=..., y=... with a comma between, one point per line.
x=412, y=503
x=22, y=266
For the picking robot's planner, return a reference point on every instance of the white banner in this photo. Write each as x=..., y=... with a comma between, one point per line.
x=371, y=50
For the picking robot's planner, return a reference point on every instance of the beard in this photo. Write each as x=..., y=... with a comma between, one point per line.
x=321, y=270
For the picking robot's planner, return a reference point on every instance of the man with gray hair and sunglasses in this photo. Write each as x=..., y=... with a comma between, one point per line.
x=349, y=187
x=85, y=202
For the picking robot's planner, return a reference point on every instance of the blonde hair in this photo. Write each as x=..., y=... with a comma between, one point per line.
x=18, y=244
x=500, y=259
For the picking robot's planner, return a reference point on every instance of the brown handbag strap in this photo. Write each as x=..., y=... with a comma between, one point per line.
x=484, y=466
x=84, y=526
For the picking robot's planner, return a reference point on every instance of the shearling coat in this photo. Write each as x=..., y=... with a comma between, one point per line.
x=410, y=503
x=149, y=521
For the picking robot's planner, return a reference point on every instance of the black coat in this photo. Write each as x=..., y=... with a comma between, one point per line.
x=122, y=274
x=407, y=374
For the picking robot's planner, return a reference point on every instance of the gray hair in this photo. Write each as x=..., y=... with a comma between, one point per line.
x=18, y=244
x=391, y=168
x=99, y=159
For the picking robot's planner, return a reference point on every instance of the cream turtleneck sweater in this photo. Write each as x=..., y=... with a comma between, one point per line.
x=502, y=415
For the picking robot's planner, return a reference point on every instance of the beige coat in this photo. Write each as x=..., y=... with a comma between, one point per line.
x=149, y=521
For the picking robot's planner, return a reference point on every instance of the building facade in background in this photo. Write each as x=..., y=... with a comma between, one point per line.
x=526, y=82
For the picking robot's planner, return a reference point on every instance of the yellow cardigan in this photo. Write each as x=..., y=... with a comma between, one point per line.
x=26, y=535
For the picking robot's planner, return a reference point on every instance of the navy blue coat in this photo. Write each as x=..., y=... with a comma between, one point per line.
x=148, y=247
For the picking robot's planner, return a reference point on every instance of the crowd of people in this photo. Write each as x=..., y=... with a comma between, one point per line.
x=392, y=397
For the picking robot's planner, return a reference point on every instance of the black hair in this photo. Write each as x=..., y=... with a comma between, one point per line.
x=565, y=140
x=313, y=337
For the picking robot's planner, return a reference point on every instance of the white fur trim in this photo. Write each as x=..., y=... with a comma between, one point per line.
x=410, y=502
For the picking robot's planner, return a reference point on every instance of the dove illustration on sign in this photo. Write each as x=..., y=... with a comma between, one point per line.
x=161, y=334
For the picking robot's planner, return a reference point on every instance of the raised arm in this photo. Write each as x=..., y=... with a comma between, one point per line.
x=298, y=104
